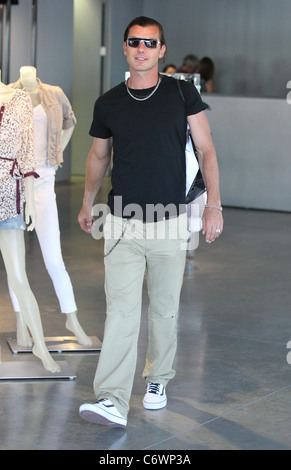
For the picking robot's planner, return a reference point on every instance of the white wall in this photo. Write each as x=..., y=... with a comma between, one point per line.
x=252, y=138
x=87, y=42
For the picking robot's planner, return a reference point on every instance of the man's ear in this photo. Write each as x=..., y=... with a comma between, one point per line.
x=163, y=51
x=124, y=48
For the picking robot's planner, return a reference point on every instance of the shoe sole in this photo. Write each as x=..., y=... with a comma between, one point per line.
x=98, y=416
x=154, y=406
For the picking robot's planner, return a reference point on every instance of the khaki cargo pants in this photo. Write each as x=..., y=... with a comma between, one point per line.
x=133, y=248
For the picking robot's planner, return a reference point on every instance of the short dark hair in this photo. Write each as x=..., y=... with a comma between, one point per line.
x=145, y=21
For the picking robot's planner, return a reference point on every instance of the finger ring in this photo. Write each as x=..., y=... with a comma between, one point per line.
x=218, y=230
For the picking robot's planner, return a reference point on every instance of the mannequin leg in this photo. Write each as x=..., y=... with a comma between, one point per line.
x=13, y=251
x=22, y=333
x=48, y=233
x=73, y=325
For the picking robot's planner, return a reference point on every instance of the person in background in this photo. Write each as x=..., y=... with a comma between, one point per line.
x=170, y=68
x=189, y=64
x=206, y=70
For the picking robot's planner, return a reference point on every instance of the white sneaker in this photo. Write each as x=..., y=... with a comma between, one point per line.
x=155, y=397
x=102, y=412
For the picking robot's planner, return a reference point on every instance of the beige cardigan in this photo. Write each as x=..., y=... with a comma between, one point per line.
x=60, y=116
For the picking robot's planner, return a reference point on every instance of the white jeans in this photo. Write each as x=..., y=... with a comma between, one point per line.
x=48, y=233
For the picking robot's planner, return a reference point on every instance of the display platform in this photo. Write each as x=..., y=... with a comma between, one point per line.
x=33, y=371
x=59, y=344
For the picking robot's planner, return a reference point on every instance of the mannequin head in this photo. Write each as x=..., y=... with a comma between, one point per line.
x=28, y=77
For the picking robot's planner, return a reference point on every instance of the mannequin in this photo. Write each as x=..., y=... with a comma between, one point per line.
x=29, y=82
x=13, y=252
x=47, y=226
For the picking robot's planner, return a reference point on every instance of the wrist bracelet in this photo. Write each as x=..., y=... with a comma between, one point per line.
x=214, y=207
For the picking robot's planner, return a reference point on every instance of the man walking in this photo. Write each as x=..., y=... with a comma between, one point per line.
x=144, y=120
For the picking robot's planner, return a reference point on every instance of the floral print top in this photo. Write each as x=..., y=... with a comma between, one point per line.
x=16, y=153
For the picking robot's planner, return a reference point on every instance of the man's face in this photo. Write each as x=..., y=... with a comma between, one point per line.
x=142, y=58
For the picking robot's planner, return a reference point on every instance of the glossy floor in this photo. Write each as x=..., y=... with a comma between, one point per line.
x=232, y=389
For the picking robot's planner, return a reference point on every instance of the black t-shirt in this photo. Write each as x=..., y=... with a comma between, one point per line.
x=149, y=139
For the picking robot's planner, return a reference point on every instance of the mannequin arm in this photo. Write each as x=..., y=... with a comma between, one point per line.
x=30, y=212
x=66, y=136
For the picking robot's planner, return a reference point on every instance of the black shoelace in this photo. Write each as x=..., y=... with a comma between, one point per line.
x=154, y=388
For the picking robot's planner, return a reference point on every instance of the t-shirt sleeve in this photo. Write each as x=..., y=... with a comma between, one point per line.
x=193, y=101
x=98, y=127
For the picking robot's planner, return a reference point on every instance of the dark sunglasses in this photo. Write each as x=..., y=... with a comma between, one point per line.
x=149, y=43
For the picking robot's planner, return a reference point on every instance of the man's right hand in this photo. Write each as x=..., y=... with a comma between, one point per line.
x=85, y=219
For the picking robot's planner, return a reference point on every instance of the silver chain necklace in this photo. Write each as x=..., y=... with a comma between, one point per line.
x=147, y=97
